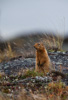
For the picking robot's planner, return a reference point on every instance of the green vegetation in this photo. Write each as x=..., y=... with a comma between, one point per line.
x=31, y=73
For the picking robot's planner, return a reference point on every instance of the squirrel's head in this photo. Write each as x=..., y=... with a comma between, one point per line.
x=39, y=46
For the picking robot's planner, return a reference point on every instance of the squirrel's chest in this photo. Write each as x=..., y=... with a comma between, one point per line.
x=40, y=56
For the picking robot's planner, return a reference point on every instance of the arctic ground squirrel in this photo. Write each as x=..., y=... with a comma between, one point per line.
x=42, y=59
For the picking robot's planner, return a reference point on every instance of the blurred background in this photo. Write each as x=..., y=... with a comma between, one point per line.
x=25, y=22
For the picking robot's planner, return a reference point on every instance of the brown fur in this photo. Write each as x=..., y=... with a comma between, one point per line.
x=42, y=59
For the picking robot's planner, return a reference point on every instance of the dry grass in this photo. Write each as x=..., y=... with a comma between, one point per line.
x=24, y=46
x=53, y=42
x=7, y=54
x=58, y=90
x=23, y=95
x=4, y=97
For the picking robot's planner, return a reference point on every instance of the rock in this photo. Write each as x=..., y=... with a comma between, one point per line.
x=43, y=79
x=58, y=63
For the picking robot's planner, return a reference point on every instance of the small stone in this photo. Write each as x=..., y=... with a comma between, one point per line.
x=27, y=84
x=58, y=63
x=64, y=53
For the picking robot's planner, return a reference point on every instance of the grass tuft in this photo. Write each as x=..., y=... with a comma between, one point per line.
x=7, y=54
x=53, y=42
x=31, y=73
